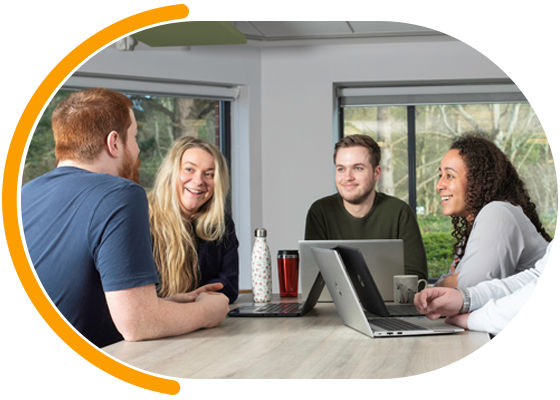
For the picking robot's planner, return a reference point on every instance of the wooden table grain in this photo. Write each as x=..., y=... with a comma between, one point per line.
x=316, y=345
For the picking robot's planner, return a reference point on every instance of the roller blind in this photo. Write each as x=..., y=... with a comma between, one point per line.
x=154, y=87
x=430, y=94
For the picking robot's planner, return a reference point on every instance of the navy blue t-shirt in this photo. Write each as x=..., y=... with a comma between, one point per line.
x=87, y=234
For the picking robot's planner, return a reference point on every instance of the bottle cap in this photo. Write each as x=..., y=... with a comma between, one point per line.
x=260, y=232
x=288, y=254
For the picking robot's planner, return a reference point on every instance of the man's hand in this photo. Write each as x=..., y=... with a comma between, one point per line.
x=139, y=314
x=460, y=320
x=192, y=296
x=217, y=307
x=438, y=301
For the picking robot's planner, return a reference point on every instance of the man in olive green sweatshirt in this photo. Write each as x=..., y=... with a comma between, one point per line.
x=357, y=211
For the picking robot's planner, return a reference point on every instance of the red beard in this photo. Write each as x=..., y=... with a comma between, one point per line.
x=130, y=167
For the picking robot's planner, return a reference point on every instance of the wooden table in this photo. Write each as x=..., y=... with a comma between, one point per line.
x=316, y=345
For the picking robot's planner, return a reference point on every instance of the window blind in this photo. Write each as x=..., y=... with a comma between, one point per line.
x=430, y=94
x=152, y=86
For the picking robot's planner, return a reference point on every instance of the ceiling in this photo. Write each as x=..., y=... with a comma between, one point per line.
x=282, y=31
x=274, y=33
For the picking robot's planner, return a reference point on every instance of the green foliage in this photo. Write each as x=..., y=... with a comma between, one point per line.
x=438, y=243
x=548, y=220
x=435, y=223
x=439, y=252
x=147, y=146
x=40, y=154
x=437, y=268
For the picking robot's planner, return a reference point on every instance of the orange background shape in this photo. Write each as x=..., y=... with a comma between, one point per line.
x=42, y=46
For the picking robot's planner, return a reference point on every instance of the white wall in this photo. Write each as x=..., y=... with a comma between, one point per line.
x=283, y=120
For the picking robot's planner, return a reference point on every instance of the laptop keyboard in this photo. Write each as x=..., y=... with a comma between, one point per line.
x=279, y=308
x=402, y=309
x=395, y=324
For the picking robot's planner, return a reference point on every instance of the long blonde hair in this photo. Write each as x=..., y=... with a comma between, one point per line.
x=173, y=235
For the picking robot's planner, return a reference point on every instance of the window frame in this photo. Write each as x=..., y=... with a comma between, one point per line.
x=412, y=94
x=235, y=128
x=468, y=92
x=225, y=95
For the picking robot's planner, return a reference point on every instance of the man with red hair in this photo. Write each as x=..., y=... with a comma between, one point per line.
x=88, y=233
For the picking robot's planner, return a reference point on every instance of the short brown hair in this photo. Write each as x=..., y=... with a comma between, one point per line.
x=360, y=140
x=83, y=120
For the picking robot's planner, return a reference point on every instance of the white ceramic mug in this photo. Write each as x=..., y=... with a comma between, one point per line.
x=405, y=287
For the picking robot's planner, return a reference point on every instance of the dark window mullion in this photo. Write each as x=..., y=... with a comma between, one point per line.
x=225, y=140
x=340, y=122
x=411, y=118
x=225, y=131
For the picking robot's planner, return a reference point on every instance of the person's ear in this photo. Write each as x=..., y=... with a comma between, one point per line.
x=377, y=173
x=112, y=144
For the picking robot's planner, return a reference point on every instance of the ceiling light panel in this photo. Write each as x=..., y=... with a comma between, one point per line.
x=246, y=28
x=396, y=26
x=273, y=29
x=192, y=33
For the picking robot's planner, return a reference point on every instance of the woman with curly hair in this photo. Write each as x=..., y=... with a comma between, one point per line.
x=193, y=238
x=496, y=224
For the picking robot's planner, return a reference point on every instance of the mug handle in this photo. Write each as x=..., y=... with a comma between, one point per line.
x=425, y=284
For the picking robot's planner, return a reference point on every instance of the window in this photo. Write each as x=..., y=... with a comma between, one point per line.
x=414, y=137
x=161, y=120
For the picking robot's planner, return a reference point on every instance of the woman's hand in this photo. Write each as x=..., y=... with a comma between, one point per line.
x=451, y=280
x=191, y=296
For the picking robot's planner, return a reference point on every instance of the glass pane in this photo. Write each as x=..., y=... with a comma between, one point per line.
x=514, y=128
x=161, y=120
x=388, y=127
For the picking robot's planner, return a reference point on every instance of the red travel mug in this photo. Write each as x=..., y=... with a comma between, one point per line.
x=288, y=272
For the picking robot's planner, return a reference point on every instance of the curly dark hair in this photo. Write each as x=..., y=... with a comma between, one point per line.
x=490, y=177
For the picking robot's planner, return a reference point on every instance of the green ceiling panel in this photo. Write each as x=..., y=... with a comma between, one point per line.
x=193, y=33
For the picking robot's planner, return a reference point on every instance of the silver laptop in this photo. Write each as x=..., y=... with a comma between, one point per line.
x=384, y=258
x=353, y=315
x=282, y=309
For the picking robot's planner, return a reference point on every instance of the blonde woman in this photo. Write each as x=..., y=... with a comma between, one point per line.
x=193, y=238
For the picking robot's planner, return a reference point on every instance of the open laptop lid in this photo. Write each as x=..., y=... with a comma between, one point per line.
x=384, y=258
x=362, y=281
x=314, y=295
x=341, y=290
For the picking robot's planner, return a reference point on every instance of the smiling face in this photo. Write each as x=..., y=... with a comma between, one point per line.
x=452, y=184
x=196, y=180
x=355, y=176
